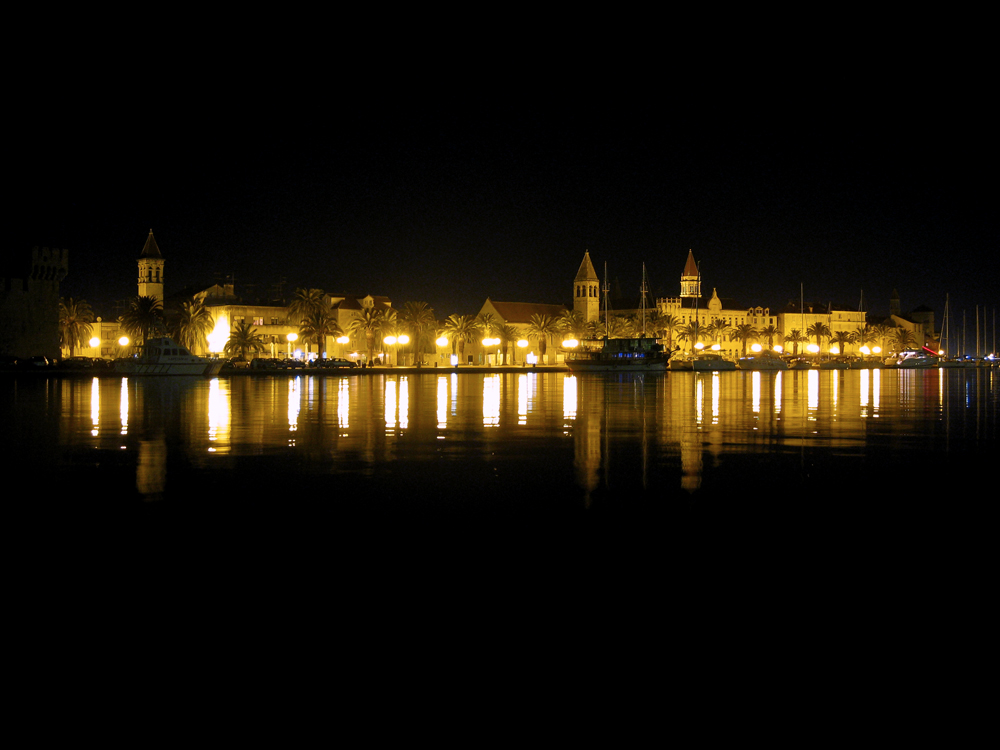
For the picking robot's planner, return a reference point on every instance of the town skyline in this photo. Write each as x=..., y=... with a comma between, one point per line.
x=451, y=210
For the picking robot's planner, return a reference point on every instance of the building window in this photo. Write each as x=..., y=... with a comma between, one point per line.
x=258, y=321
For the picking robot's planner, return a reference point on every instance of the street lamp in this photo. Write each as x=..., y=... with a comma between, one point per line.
x=522, y=344
x=401, y=340
x=292, y=338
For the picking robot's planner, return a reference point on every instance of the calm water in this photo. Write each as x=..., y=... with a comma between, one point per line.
x=853, y=508
x=514, y=444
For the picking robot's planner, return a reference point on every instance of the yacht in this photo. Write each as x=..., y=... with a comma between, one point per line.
x=712, y=361
x=164, y=356
x=762, y=361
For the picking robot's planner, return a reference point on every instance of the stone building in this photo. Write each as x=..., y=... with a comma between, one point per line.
x=690, y=306
x=29, y=302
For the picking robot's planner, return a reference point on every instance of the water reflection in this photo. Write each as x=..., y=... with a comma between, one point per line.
x=680, y=431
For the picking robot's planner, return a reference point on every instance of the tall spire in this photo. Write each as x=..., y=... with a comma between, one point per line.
x=151, y=269
x=150, y=249
x=587, y=290
x=691, y=278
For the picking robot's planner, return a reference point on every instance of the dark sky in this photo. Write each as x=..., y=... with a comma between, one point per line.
x=454, y=194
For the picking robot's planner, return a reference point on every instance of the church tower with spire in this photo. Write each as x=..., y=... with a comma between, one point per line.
x=151, y=270
x=691, y=278
x=587, y=291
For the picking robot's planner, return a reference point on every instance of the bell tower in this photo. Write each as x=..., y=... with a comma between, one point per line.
x=151, y=270
x=587, y=291
x=691, y=278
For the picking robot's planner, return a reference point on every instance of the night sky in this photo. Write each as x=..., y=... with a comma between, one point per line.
x=451, y=194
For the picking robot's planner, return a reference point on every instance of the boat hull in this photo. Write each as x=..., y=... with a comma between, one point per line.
x=621, y=355
x=164, y=356
x=717, y=365
x=169, y=368
x=611, y=366
x=765, y=363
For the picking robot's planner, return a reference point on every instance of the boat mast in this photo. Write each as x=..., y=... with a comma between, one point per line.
x=642, y=303
x=606, y=290
x=944, y=328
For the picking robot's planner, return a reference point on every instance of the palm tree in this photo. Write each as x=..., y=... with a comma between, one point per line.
x=142, y=319
x=508, y=335
x=194, y=323
x=769, y=331
x=616, y=327
x=318, y=324
x=667, y=324
x=541, y=327
x=244, y=339
x=863, y=335
x=367, y=324
x=75, y=323
x=880, y=333
x=842, y=339
x=819, y=330
x=305, y=303
x=571, y=323
x=795, y=337
x=718, y=328
x=744, y=332
x=903, y=339
x=418, y=318
x=460, y=328
x=693, y=332
x=487, y=323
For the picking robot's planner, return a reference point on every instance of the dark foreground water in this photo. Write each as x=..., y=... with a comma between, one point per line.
x=526, y=449
x=820, y=528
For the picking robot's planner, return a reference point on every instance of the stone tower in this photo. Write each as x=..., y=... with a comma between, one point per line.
x=151, y=270
x=691, y=278
x=894, y=308
x=587, y=291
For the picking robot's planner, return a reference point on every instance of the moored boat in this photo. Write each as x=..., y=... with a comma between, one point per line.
x=917, y=361
x=164, y=356
x=620, y=355
x=711, y=361
x=762, y=361
x=832, y=364
x=799, y=363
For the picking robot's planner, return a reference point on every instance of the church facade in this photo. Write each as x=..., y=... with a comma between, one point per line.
x=691, y=307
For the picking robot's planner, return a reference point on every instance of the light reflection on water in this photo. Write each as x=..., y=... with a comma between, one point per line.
x=516, y=432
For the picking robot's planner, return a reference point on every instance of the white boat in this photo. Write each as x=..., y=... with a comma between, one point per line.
x=917, y=361
x=762, y=361
x=164, y=356
x=620, y=355
x=832, y=364
x=711, y=361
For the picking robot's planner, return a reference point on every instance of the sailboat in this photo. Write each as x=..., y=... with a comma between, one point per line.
x=947, y=360
x=642, y=354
